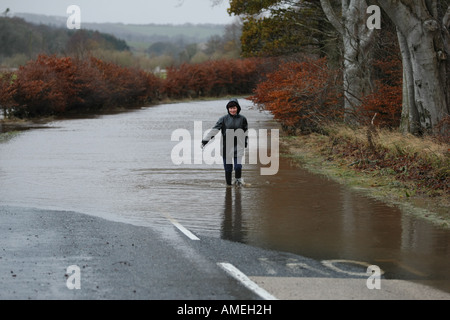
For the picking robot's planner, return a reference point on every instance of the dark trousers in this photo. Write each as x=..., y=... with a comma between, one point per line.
x=229, y=167
x=229, y=170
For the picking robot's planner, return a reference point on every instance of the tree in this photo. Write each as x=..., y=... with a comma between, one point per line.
x=281, y=27
x=6, y=80
x=17, y=36
x=82, y=42
x=423, y=33
x=357, y=40
x=226, y=46
x=231, y=40
x=285, y=27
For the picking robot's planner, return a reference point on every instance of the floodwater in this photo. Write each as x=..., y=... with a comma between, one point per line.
x=120, y=167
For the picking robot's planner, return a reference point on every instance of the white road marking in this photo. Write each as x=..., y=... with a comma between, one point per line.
x=330, y=264
x=187, y=233
x=180, y=227
x=297, y=266
x=249, y=284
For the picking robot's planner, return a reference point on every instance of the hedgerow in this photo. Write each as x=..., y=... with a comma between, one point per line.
x=52, y=85
x=212, y=78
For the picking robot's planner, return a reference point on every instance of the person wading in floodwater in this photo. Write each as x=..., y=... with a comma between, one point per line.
x=234, y=129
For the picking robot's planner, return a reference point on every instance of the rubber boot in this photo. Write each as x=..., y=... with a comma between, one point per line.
x=228, y=176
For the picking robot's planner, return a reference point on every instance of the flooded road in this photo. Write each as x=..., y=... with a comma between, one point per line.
x=119, y=167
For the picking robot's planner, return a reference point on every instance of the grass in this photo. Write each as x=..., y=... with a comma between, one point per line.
x=204, y=31
x=403, y=170
x=396, y=143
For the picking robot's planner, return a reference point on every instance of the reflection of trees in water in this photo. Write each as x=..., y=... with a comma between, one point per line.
x=232, y=216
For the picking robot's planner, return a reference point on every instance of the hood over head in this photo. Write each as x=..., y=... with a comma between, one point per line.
x=234, y=102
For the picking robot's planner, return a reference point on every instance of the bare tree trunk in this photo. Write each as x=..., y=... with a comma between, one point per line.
x=425, y=59
x=357, y=40
x=410, y=115
x=446, y=40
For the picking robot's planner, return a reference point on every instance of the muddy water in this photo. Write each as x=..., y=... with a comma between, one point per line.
x=119, y=167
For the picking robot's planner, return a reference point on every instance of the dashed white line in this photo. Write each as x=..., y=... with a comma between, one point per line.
x=180, y=227
x=249, y=284
x=187, y=233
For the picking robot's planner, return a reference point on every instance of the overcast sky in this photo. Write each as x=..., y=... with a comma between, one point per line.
x=128, y=11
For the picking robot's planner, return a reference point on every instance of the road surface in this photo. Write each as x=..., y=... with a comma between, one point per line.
x=115, y=260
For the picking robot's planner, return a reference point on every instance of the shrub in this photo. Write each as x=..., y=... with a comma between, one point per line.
x=301, y=95
x=6, y=82
x=386, y=100
x=212, y=78
x=44, y=86
x=54, y=86
x=126, y=87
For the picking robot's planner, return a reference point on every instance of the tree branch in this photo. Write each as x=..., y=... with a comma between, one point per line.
x=331, y=16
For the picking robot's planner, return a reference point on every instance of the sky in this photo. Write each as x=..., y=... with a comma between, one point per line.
x=129, y=11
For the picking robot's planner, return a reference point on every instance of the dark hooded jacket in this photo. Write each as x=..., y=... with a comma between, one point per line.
x=234, y=123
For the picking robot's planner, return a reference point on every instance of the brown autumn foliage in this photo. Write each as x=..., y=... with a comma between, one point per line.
x=386, y=100
x=5, y=93
x=301, y=95
x=52, y=85
x=126, y=86
x=45, y=86
x=212, y=78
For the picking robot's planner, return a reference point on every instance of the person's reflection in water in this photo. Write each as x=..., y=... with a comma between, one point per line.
x=232, y=216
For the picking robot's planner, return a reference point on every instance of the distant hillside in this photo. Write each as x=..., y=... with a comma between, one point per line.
x=26, y=40
x=139, y=35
